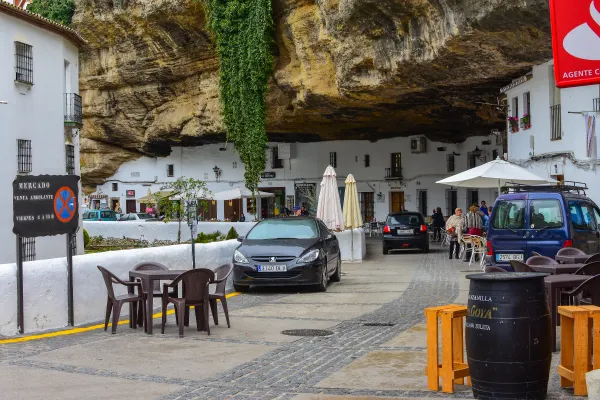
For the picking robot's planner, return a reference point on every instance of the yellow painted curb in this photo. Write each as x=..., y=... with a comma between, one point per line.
x=73, y=331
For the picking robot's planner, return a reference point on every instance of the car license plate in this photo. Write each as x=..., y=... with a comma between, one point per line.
x=509, y=257
x=271, y=268
x=404, y=231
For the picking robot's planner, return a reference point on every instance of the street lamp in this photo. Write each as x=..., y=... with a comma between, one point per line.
x=477, y=154
x=217, y=172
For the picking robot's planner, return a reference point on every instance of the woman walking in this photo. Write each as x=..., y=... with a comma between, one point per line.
x=438, y=224
x=455, y=227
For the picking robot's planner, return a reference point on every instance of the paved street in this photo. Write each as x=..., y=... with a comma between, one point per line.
x=377, y=348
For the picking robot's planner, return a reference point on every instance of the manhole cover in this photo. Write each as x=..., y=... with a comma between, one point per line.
x=379, y=324
x=307, y=332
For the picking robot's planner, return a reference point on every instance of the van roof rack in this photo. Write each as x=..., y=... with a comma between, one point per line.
x=562, y=187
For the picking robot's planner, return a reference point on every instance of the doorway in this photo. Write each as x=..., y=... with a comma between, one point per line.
x=268, y=204
x=472, y=198
x=396, y=201
x=451, y=201
x=232, y=209
x=422, y=198
x=209, y=211
x=113, y=203
x=130, y=206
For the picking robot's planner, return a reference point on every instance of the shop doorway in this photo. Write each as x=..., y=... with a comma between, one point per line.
x=306, y=194
x=272, y=206
x=396, y=201
x=113, y=203
x=233, y=208
x=208, y=212
x=130, y=206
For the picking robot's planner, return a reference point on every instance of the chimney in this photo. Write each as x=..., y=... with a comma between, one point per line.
x=20, y=3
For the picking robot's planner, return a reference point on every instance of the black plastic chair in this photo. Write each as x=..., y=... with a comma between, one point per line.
x=588, y=293
x=492, y=268
x=594, y=258
x=115, y=303
x=590, y=269
x=152, y=266
x=540, y=260
x=221, y=275
x=519, y=266
x=570, y=251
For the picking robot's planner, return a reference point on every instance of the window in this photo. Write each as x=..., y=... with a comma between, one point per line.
x=451, y=201
x=276, y=162
x=494, y=154
x=449, y=162
x=107, y=214
x=23, y=156
x=581, y=216
x=70, y=153
x=509, y=215
x=135, y=174
x=527, y=106
x=170, y=170
x=366, y=206
x=515, y=107
x=396, y=165
x=115, y=187
x=555, y=123
x=333, y=159
x=545, y=214
x=24, y=63
x=472, y=198
x=471, y=161
x=422, y=198
x=235, y=164
x=27, y=249
x=405, y=219
x=287, y=228
x=367, y=161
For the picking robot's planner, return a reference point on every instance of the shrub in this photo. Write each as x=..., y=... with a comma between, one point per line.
x=86, y=238
x=209, y=238
x=232, y=234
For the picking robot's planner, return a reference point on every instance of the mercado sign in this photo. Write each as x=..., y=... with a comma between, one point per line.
x=576, y=41
x=45, y=205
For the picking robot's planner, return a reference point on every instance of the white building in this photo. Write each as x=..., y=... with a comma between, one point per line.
x=553, y=143
x=389, y=173
x=39, y=71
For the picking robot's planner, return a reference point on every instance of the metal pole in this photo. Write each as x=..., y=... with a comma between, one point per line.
x=20, y=316
x=71, y=318
x=193, y=247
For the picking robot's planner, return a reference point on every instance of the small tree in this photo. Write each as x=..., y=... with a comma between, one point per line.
x=188, y=190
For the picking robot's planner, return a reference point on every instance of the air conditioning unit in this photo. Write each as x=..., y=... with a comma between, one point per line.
x=418, y=145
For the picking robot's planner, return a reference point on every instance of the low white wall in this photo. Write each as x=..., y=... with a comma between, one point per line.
x=45, y=283
x=356, y=241
x=159, y=230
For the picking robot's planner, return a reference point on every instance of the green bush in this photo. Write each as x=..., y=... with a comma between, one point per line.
x=60, y=11
x=232, y=234
x=209, y=238
x=86, y=238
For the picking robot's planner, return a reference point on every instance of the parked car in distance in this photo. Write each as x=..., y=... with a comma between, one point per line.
x=138, y=217
x=405, y=230
x=542, y=219
x=296, y=251
x=99, y=215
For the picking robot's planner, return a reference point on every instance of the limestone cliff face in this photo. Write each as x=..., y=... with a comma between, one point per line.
x=345, y=69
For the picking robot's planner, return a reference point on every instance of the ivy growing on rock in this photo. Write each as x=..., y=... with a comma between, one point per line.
x=243, y=32
x=60, y=11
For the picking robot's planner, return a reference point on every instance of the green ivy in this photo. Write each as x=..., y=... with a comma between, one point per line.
x=60, y=11
x=243, y=32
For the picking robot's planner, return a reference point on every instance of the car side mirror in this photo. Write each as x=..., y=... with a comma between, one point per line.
x=240, y=239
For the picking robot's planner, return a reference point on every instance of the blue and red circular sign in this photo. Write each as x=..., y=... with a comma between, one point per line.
x=65, y=204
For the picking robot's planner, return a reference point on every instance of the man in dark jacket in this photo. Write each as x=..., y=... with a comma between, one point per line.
x=438, y=224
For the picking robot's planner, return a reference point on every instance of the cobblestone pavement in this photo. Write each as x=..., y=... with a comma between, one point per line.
x=316, y=367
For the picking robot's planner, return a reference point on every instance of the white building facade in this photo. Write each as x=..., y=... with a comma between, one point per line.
x=551, y=135
x=39, y=117
x=390, y=173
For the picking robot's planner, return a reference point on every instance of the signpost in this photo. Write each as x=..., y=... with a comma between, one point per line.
x=192, y=214
x=44, y=205
x=576, y=42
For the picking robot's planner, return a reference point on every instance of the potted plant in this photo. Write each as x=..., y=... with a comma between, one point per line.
x=526, y=121
x=514, y=124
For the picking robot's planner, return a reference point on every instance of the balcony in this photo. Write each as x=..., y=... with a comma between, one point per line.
x=555, y=123
x=73, y=114
x=393, y=173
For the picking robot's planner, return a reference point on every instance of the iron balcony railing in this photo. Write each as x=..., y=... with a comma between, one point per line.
x=393, y=173
x=73, y=113
x=555, y=122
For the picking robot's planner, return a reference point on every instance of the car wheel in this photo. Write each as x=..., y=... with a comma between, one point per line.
x=322, y=286
x=386, y=250
x=240, y=289
x=337, y=275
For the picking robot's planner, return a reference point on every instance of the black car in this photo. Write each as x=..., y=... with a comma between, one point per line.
x=405, y=230
x=287, y=252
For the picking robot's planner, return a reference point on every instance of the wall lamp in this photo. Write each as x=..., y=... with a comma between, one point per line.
x=477, y=153
x=217, y=172
x=441, y=149
x=455, y=153
x=486, y=142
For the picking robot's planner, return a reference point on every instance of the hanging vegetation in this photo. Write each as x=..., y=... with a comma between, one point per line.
x=60, y=11
x=243, y=32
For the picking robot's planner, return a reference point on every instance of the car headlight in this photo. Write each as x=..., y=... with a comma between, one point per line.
x=239, y=258
x=309, y=257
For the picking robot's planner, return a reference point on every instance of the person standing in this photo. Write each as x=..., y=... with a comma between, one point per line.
x=455, y=227
x=474, y=221
x=484, y=208
x=438, y=224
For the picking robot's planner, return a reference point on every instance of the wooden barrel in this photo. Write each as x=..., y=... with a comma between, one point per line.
x=508, y=335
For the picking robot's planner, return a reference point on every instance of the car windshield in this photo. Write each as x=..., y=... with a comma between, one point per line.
x=405, y=219
x=144, y=216
x=284, y=229
x=509, y=214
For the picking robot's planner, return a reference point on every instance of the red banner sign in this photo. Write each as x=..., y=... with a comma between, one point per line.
x=576, y=41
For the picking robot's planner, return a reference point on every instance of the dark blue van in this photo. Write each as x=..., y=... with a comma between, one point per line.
x=542, y=219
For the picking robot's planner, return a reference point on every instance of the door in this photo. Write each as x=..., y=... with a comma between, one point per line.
x=507, y=231
x=396, y=164
x=143, y=207
x=546, y=230
x=422, y=202
x=451, y=202
x=397, y=201
x=130, y=206
x=367, y=206
x=472, y=198
x=584, y=225
x=208, y=210
x=232, y=209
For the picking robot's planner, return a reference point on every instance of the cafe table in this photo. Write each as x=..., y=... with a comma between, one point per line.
x=149, y=277
x=572, y=259
x=557, y=269
x=554, y=285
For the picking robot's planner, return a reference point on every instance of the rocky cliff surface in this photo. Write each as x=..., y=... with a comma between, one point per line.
x=345, y=69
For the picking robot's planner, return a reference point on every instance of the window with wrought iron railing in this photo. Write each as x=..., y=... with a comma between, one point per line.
x=555, y=123
x=27, y=248
x=276, y=162
x=73, y=112
x=70, y=158
x=450, y=163
x=23, y=156
x=24, y=63
x=333, y=159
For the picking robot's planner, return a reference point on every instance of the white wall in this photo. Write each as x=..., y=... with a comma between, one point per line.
x=352, y=248
x=307, y=165
x=37, y=115
x=45, y=283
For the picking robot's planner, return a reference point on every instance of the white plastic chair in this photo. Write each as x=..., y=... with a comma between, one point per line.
x=478, y=247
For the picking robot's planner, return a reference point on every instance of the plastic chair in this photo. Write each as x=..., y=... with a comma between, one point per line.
x=465, y=243
x=594, y=258
x=478, y=247
x=591, y=287
x=492, y=268
x=519, y=266
x=540, y=260
x=151, y=266
x=115, y=303
x=195, y=287
x=570, y=251
x=590, y=269
x=221, y=275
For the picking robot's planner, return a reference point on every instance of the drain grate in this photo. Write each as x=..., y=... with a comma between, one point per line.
x=307, y=332
x=379, y=324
